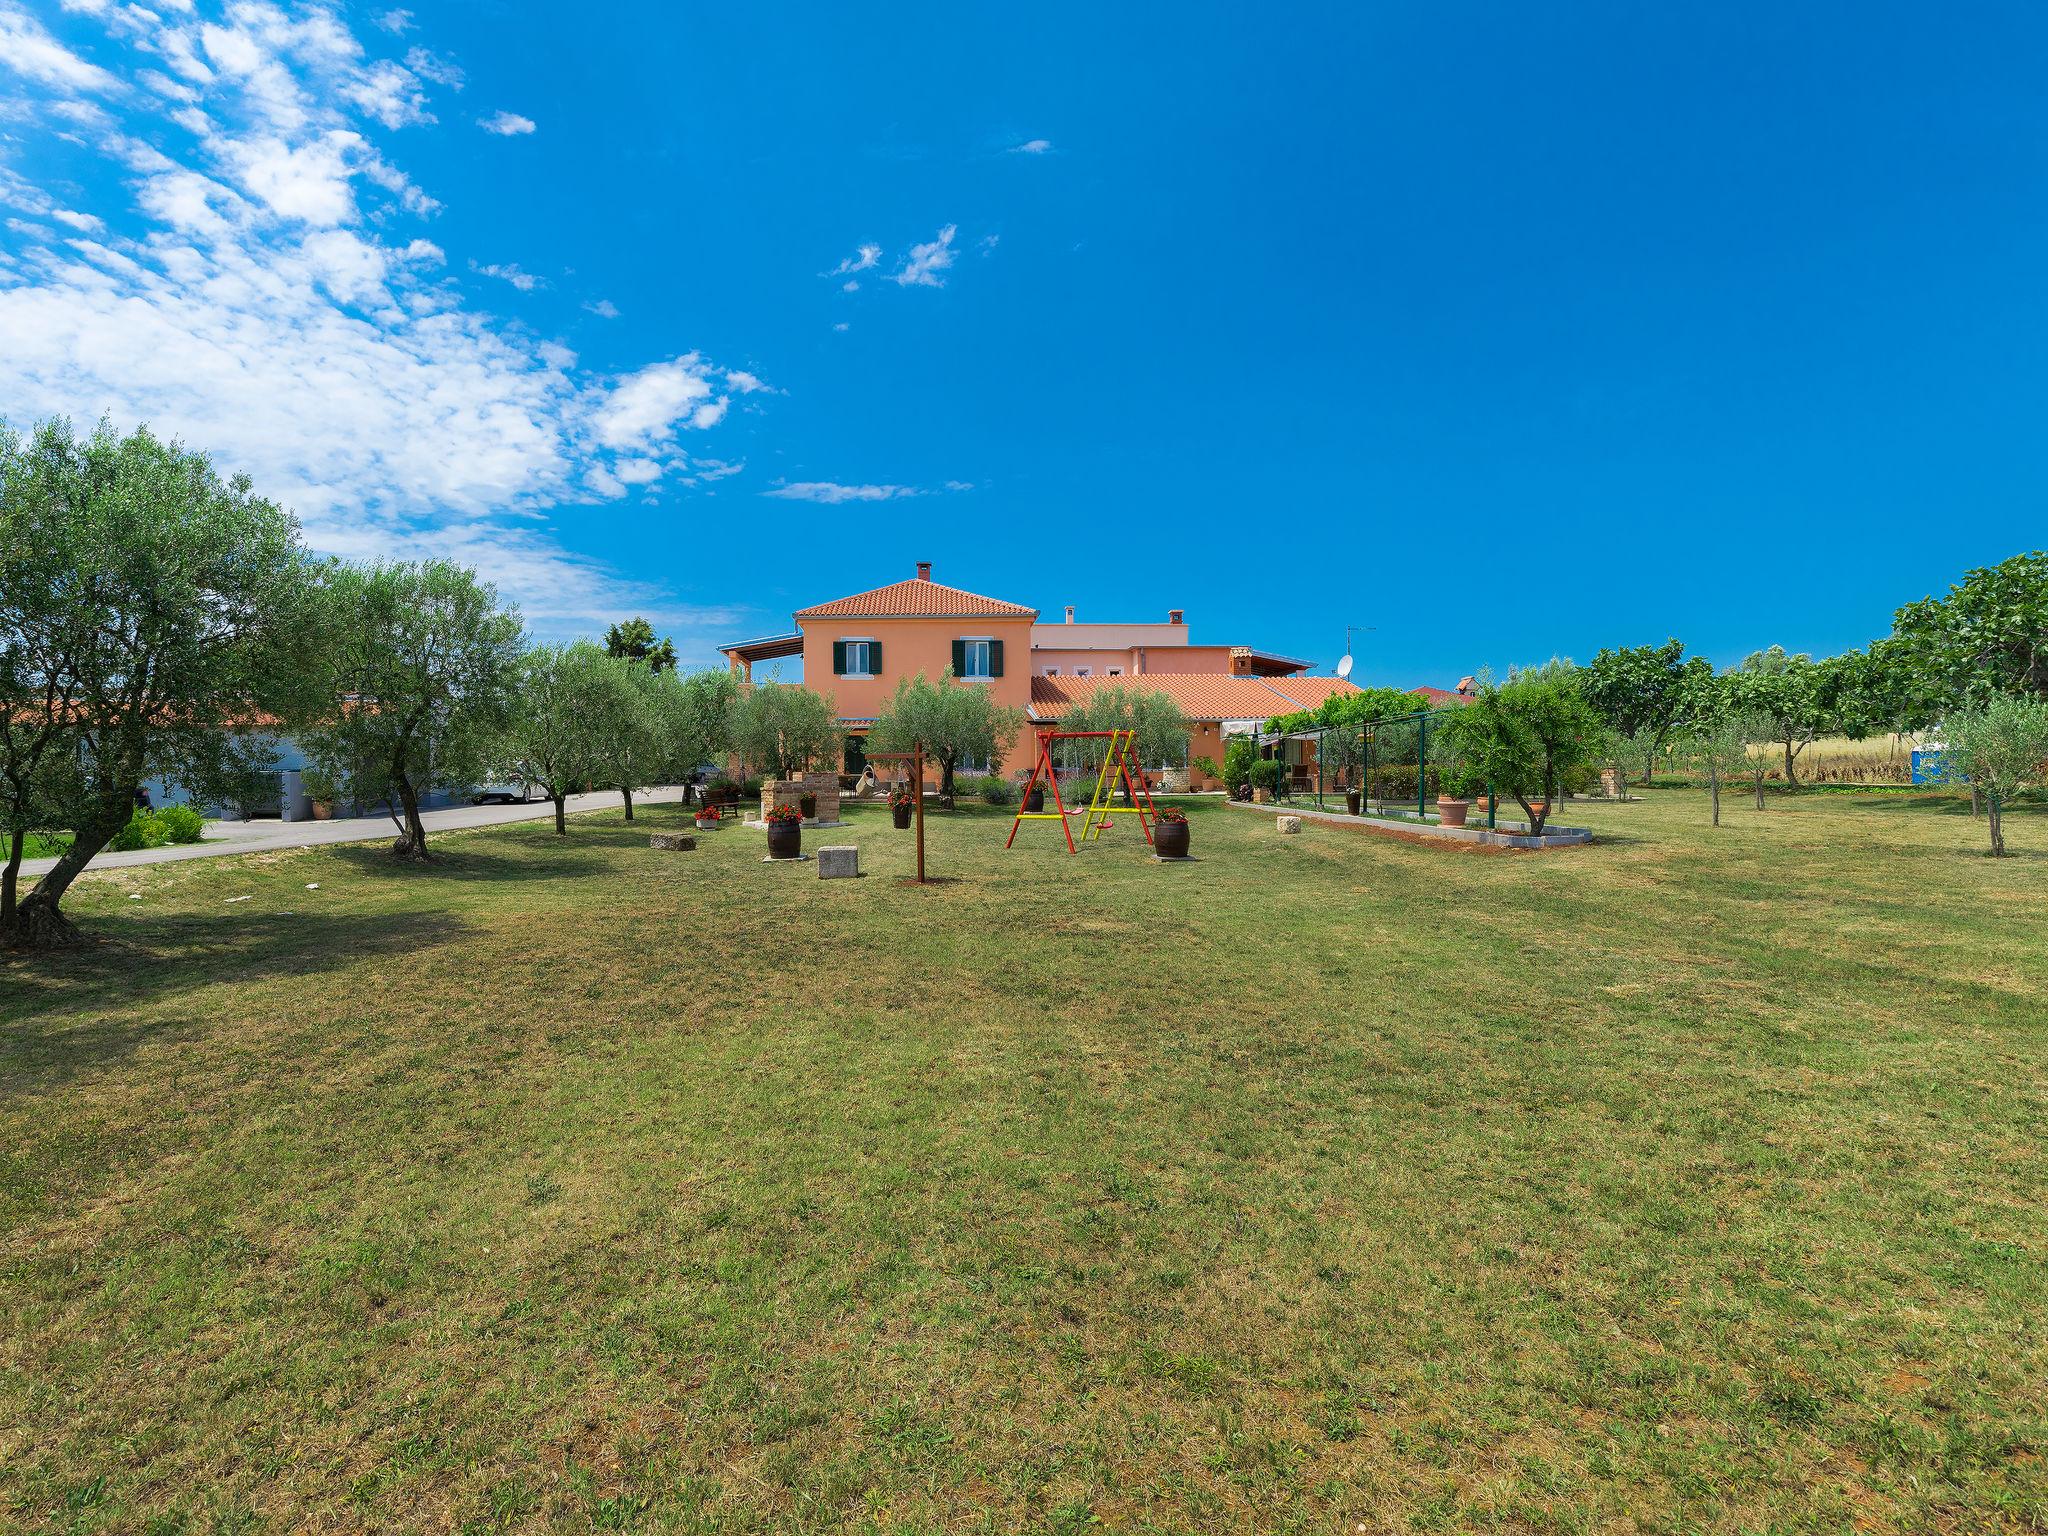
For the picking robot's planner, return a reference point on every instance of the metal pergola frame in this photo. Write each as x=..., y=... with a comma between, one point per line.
x=1368, y=732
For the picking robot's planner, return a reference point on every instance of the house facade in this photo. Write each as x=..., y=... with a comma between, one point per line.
x=856, y=649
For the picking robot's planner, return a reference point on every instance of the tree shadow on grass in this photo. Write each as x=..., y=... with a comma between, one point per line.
x=477, y=861
x=76, y=1010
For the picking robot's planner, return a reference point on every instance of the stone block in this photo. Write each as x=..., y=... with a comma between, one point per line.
x=673, y=842
x=841, y=863
x=1288, y=824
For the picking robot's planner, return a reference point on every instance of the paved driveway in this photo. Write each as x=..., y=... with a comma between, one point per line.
x=224, y=837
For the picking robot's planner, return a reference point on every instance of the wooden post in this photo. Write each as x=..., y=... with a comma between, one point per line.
x=917, y=798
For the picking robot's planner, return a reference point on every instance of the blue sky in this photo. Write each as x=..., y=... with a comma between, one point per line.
x=1506, y=331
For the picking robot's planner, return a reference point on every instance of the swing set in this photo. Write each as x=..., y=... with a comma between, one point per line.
x=1120, y=767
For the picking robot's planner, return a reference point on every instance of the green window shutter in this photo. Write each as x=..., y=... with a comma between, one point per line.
x=838, y=658
x=959, y=658
x=875, y=657
x=995, y=658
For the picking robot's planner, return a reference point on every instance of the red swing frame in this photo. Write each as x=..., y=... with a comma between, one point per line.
x=1139, y=792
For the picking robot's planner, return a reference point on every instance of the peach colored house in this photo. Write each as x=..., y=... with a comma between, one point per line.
x=856, y=649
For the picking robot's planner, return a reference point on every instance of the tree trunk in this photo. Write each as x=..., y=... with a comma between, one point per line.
x=37, y=921
x=1997, y=828
x=413, y=845
x=627, y=793
x=946, y=777
x=1976, y=801
x=1714, y=789
x=16, y=841
x=1757, y=777
x=1791, y=778
x=1649, y=764
x=561, y=815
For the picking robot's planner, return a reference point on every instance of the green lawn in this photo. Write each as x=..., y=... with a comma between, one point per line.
x=1691, y=1181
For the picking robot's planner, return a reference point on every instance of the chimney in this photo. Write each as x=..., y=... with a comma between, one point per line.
x=1070, y=613
x=1176, y=616
x=924, y=570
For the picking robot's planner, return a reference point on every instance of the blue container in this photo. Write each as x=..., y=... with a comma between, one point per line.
x=1929, y=767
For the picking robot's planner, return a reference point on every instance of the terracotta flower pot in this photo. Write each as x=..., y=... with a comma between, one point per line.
x=1450, y=812
x=1170, y=839
x=785, y=839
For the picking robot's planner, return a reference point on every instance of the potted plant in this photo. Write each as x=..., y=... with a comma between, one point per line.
x=901, y=802
x=1454, y=803
x=1265, y=779
x=1170, y=833
x=1035, y=801
x=809, y=804
x=707, y=817
x=1354, y=801
x=785, y=832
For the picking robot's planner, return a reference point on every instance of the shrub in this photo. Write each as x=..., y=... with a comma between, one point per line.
x=996, y=791
x=143, y=831
x=181, y=824
x=1265, y=774
x=1238, y=757
x=752, y=786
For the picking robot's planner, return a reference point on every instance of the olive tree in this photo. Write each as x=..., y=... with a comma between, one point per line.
x=1715, y=736
x=1162, y=730
x=1525, y=735
x=2000, y=747
x=957, y=722
x=780, y=728
x=418, y=665
x=150, y=611
x=630, y=744
x=571, y=707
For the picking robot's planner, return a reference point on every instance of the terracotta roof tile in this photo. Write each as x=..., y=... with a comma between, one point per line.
x=1200, y=695
x=917, y=598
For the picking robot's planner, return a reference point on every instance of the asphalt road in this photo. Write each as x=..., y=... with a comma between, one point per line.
x=225, y=837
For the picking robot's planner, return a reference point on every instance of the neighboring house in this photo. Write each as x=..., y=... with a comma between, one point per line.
x=856, y=649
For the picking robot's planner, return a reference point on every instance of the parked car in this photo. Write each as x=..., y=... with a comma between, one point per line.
x=518, y=792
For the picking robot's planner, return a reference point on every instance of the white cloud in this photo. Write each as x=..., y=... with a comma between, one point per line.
x=395, y=22
x=645, y=408
x=863, y=257
x=272, y=300
x=505, y=124
x=27, y=48
x=923, y=266
x=832, y=494
x=851, y=285
x=430, y=66
x=509, y=272
x=1033, y=147
x=744, y=383
x=604, y=309
x=391, y=94
x=841, y=325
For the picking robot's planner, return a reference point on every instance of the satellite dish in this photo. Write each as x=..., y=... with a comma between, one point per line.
x=1344, y=667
